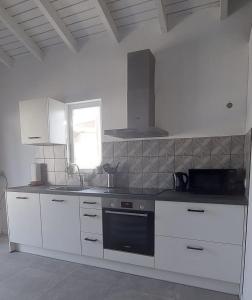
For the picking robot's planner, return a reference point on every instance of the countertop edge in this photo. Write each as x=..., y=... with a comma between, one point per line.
x=170, y=196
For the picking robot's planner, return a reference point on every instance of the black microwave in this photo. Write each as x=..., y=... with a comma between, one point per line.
x=216, y=181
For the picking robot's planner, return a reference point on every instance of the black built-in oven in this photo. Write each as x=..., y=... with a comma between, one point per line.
x=128, y=225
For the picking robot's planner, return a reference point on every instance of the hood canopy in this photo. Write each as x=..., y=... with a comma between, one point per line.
x=140, y=99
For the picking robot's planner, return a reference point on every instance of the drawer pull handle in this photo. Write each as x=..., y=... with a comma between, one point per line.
x=57, y=200
x=34, y=137
x=91, y=216
x=91, y=240
x=87, y=202
x=196, y=210
x=126, y=214
x=22, y=198
x=195, y=248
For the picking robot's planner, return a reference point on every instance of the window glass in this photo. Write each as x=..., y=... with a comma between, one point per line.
x=85, y=134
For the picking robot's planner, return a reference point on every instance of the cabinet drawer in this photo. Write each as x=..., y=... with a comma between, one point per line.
x=203, y=259
x=91, y=220
x=208, y=222
x=90, y=202
x=92, y=244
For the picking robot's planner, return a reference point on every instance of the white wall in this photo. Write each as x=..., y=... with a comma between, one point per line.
x=249, y=96
x=247, y=290
x=201, y=65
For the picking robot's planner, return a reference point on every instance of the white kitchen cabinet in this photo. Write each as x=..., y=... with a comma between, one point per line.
x=42, y=121
x=24, y=218
x=200, y=221
x=61, y=223
x=92, y=244
x=91, y=226
x=199, y=239
x=199, y=258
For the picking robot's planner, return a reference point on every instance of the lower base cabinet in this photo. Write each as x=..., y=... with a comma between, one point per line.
x=60, y=216
x=24, y=219
x=204, y=259
x=74, y=225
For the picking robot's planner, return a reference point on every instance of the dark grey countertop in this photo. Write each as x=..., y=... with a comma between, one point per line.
x=168, y=195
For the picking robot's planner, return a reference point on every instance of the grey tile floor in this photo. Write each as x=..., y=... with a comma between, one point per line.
x=30, y=277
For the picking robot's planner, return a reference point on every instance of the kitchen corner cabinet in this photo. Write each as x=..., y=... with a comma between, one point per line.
x=24, y=219
x=42, y=121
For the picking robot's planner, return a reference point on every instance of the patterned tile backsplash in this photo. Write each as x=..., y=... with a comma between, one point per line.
x=150, y=163
x=55, y=158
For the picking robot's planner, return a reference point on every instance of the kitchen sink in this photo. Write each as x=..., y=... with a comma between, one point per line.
x=68, y=188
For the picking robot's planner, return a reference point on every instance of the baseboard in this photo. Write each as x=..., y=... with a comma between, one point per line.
x=210, y=284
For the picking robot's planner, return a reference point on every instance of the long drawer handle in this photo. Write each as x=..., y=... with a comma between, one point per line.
x=196, y=210
x=22, y=198
x=195, y=248
x=91, y=240
x=91, y=216
x=126, y=214
x=87, y=202
x=57, y=200
x=34, y=137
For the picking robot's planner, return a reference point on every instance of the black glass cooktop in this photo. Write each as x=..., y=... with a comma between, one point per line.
x=129, y=191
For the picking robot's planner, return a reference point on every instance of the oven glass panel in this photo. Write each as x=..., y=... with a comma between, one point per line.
x=129, y=231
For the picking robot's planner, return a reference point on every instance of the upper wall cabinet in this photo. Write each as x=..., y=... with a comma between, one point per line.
x=42, y=121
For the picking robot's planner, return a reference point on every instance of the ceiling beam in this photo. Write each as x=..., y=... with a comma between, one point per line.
x=5, y=59
x=20, y=34
x=223, y=9
x=162, y=16
x=107, y=18
x=52, y=16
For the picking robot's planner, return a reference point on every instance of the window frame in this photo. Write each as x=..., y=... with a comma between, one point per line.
x=70, y=145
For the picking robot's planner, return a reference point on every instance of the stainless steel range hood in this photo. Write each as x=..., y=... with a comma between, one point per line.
x=140, y=99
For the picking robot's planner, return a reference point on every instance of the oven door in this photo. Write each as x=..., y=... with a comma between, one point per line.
x=129, y=231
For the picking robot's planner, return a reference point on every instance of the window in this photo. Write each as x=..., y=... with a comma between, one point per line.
x=85, y=133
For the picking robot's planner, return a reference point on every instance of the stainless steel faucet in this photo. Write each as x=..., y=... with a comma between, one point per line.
x=71, y=170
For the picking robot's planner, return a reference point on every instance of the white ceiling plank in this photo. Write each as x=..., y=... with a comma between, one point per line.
x=5, y=59
x=52, y=16
x=107, y=18
x=162, y=16
x=223, y=9
x=16, y=29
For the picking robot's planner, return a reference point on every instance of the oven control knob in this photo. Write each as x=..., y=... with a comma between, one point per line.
x=141, y=206
x=112, y=204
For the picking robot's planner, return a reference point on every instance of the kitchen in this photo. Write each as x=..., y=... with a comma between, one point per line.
x=200, y=99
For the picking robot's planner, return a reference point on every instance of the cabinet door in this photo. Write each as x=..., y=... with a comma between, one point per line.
x=61, y=223
x=24, y=219
x=57, y=122
x=34, y=121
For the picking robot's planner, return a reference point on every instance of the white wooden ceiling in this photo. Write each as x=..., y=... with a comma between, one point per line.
x=80, y=18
